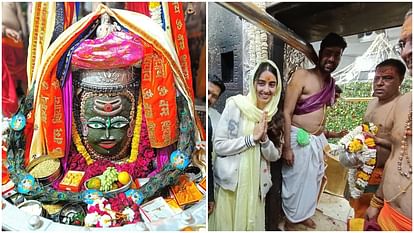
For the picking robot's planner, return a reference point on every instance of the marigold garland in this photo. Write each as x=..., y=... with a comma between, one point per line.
x=365, y=128
x=370, y=142
x=355, y=146
x=137, y=135
x=371, y=162
x=363, y=176
x=357, y=141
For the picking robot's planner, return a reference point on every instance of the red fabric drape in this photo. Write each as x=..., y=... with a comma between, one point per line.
x=139, y=7
x=9, y=101
x=179, y=34
x=69, y=12
x=14, y=69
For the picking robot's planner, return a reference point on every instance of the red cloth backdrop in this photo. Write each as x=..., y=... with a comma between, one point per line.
x=139, y=7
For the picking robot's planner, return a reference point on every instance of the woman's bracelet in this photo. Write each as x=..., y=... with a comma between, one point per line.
x=376, y=202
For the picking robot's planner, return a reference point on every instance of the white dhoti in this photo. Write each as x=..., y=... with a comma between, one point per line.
x=301, y=182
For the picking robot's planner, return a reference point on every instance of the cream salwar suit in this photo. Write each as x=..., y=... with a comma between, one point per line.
x=241, y=169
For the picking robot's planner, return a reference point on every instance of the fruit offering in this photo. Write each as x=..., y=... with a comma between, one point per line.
x=124, y=178
x=109, y=176
x=94, y=183
x=110, y=180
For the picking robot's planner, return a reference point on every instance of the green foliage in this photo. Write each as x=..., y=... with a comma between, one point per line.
x=407, y=85
x=347, y=114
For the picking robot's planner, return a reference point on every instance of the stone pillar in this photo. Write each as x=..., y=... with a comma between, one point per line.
x=255, y=48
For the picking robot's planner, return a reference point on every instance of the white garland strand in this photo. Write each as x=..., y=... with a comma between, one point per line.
x=155, y=12
x=356, y=184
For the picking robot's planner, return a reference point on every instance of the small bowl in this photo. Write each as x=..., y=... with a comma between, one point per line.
x=68, y=211
x=32, y=207
x=115, y=191
x=48, y=177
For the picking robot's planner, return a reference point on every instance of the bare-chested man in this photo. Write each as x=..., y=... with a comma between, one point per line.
x=389, y=75
x=308, y=94
x=391, y=206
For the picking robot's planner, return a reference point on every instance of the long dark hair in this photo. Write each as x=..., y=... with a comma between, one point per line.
x=275, y=127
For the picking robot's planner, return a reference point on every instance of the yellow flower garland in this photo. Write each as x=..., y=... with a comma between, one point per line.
x=370, y=142
x=355, y=146
x=137, y=132
x=371, y=162
x=153, y=5
x=365, y=128
x=358, y=177
x=363, y=175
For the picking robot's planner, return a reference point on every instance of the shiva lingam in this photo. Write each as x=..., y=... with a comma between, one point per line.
x=105, y=112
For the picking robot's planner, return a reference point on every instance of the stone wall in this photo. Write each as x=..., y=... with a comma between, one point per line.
x=225, y=50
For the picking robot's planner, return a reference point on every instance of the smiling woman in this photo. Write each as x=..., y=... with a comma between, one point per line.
x=265, y=83
x=245, y=142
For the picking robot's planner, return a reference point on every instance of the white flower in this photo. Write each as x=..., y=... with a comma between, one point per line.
x=357, y=185
x=129, y=213
x=101, y=206
x=355, y=193
x=372, y=127
x=111, y=213
x=105, y=220
x=360, y=137
x=367, y=169
x=98, y=201
x=361, y=182
x=108, y=206
x=91, y=219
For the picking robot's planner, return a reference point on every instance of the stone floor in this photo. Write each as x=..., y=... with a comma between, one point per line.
x=331, y=214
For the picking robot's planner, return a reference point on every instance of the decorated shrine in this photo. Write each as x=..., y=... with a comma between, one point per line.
x=108, y=135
